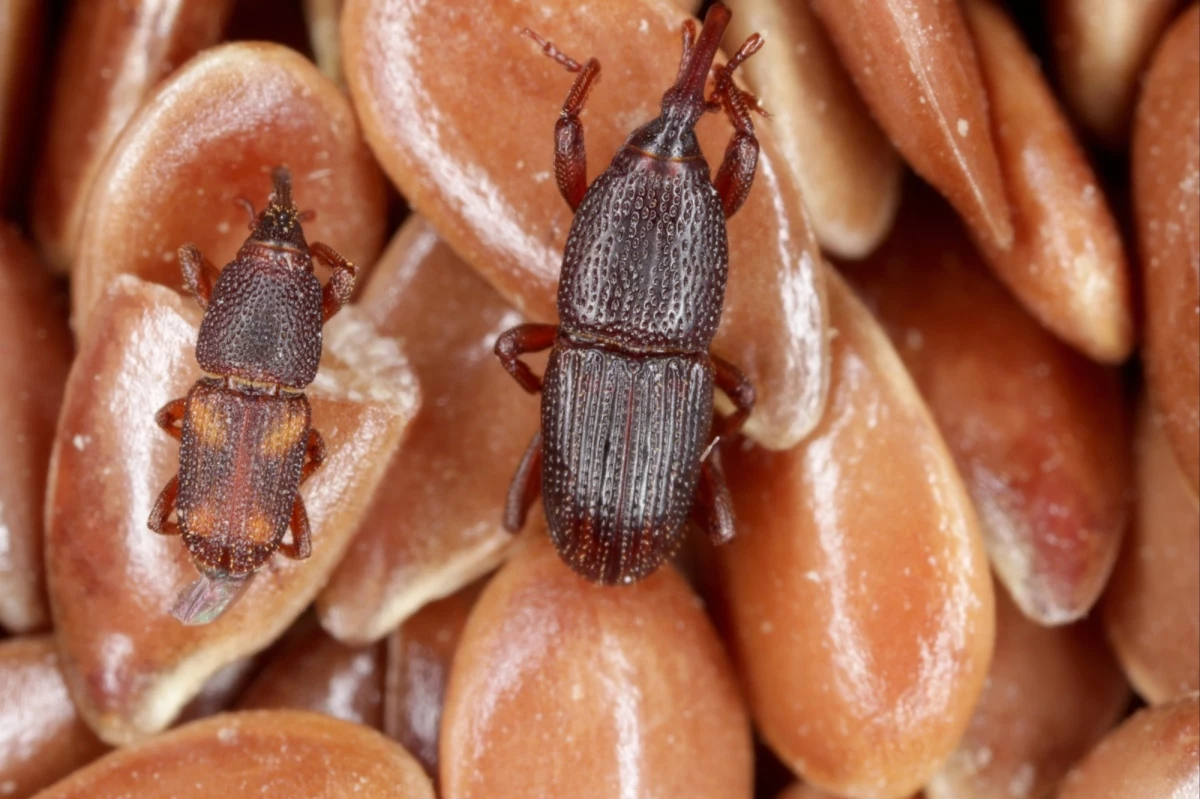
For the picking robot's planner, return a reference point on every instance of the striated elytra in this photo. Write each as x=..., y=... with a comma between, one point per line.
x=625, y=449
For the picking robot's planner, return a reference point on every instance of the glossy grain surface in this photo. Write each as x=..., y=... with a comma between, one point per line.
x=22, y=40
x=1166, y=204
x=1154, y=753
x=1051, y=694
x=42, y=737
x=1037, y=430
x=438, y=525
x=315, y=672
x=419, y=655
x=857, y=591
x=914, y=63
x=423, y=76
x=847, y=170
x=34, y=360
x=565, y=688
x=1067, y=263
x=1100, y=50
x=131, y=667
x=280, y=754
x=1152, y=605
x=210, y=134
x=110, y=59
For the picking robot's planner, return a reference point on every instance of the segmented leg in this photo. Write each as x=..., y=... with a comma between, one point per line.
x=713, y=508
x=170, y=415
x=341, y=283
x=163, y=508
x=736, y=174
x=514, y=343
x=301, y=546
x=199, y=274
x=735, y=385
x=525, y=487
x=314, y=455
x=570, y=156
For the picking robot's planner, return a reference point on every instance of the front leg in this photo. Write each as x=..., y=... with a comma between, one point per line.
x=570, y=155
x=341, y=283
x=736, y=174
x=199, y=275
x=735, y=385
x=516, y=342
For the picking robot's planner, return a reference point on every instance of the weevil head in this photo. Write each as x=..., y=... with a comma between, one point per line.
x=672, y=134
x=278, y=225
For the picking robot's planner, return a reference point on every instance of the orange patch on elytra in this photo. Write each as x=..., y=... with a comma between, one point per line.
x=259, y=529
x=209, y=423
x=284, y=434
x=201, y=521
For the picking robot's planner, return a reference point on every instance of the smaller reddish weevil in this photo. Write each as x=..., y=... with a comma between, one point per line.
x=246, y=443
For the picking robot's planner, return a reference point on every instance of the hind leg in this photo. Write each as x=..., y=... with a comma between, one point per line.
x=526, y=486
x=301, y=546
x=163, y=509
x=713, y=508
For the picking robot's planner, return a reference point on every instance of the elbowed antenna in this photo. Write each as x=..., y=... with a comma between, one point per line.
x=688, y=90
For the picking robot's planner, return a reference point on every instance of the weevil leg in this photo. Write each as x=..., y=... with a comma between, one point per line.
x=736, y=174
x=713, y=508
x=301, y=546
x=341, y=283
x=314, y=455
x=169, y=416
x=199, y=274
x=570, y=155
x=163, y=508
x=525, y=487
x=739, y=389
x=514, y=343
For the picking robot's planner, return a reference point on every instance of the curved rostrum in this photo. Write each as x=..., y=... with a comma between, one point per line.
x=209, y=135
x=1152, y=604
x=34, y=360
x=915, y=65
x=856, y=622
x=1037, y=430
x=438, y=525
x=111, y=57
x=42, y=737
x=1155, y=752
x=129, y=664
x=479, y=165
x=274, y=754
x=1067, y=262
x=1051, y=695
x=1166, y=205
x=631, y=687
x=1100, y=49
x=849, y=174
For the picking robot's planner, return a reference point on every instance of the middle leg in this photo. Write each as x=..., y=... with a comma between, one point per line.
x=514, y=343
x=713, y=508
x=735, y=385
x=525, y=487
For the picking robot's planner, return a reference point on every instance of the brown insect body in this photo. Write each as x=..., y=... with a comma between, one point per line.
x=246, y=441
x=628, y=392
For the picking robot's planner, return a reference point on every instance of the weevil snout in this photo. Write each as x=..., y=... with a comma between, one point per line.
x=279, y=223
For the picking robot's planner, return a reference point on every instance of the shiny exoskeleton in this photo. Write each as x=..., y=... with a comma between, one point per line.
x=246, y=441
x=625, y=452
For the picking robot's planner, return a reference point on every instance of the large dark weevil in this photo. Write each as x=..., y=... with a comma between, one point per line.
x=625, y=448
x=246, y=443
